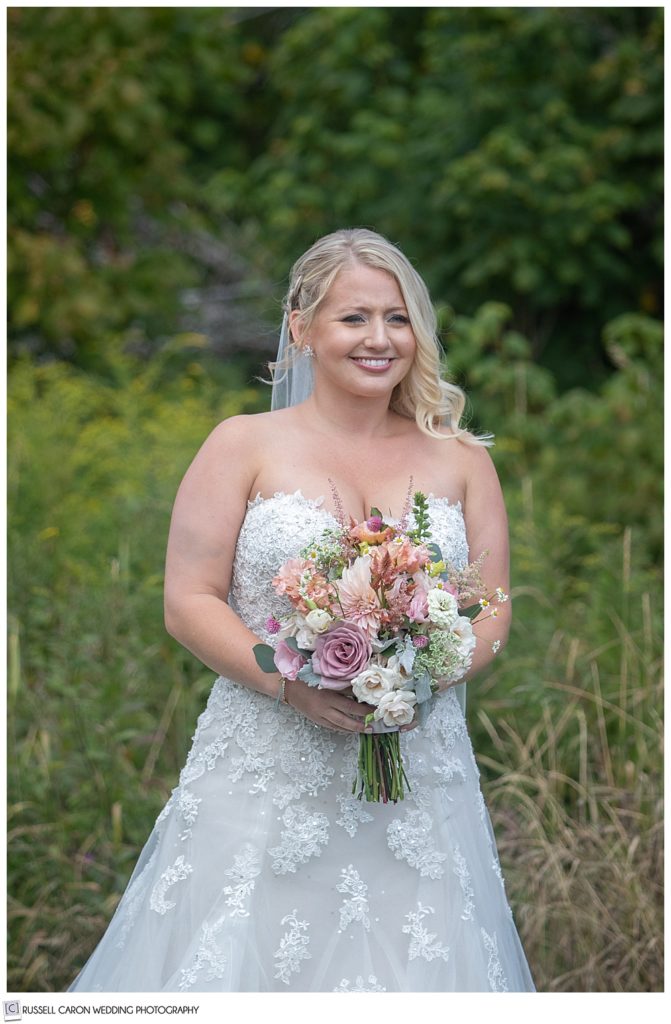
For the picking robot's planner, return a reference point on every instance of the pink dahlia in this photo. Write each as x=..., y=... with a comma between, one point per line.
x=360, y=603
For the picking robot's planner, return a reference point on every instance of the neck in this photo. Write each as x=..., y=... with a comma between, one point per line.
x=350, y=415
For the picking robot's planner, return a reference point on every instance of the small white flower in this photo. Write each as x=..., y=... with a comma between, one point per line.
x=396, y=708
x=318, y=620
x=495, y=646
x=374, y=682
x=501, y=596
x=443, y=607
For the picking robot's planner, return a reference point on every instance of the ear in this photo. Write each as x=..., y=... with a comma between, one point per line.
x=295, y=327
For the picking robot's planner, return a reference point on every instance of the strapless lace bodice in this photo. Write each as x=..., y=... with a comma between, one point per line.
x=278, y=527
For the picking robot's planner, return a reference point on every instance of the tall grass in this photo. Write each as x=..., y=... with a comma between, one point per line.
x=577, y=803
x=102, y=704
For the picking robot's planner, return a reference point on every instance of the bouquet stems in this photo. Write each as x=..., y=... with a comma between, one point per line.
x=380, y=774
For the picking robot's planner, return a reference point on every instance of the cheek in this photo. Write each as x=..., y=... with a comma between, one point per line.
x=410, y=347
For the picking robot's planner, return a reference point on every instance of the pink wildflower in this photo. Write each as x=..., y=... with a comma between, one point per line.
x=420, y=641
x=272, y=625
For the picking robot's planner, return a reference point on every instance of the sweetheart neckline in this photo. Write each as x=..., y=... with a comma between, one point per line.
x=316, y=503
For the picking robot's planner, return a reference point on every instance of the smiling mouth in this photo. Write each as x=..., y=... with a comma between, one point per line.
x=374, y=364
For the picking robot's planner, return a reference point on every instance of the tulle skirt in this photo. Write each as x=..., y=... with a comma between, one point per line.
x=263, y=873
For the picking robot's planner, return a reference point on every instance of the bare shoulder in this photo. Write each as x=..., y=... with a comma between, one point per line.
x=484, y=502
x=469, y=461
x=243, y=429
x=476, y=461
x=244, y=435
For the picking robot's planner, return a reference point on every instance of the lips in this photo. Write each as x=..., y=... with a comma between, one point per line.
x=369, y=363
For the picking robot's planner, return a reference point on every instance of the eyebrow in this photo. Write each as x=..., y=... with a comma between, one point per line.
x=367, y=309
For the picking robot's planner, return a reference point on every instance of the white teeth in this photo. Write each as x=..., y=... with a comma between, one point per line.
x=372, y=362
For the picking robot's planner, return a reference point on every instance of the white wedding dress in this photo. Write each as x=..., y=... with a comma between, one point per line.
x=263, y=873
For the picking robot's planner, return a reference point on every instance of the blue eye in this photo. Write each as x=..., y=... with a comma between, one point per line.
x=355, y=318
x=399, y=318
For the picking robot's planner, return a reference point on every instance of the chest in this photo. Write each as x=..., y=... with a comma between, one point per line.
x=361, y=476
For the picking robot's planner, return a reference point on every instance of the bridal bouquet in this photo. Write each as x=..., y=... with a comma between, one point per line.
x=375, y=608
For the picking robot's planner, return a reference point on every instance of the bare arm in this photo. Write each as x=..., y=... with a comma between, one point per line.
x=487, y=530
x=206, y=519
x=209, y=510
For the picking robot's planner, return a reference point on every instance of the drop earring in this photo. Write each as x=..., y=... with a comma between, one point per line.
x=309, y=351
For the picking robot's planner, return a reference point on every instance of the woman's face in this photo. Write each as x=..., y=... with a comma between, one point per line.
x=361, y=333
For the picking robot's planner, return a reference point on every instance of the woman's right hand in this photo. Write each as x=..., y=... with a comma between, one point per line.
x=332, y=709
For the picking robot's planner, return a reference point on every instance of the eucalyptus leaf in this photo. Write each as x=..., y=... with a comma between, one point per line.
x=265, y=657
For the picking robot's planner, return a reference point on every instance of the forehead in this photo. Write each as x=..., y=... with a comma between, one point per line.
x=358, y=284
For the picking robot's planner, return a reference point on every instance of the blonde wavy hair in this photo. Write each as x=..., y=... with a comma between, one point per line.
x=424, y=394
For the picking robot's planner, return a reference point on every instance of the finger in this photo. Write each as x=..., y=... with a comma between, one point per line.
x=346, y=723
x=353, y=707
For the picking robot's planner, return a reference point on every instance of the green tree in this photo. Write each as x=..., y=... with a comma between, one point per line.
x=108, y=112
x=514, y=153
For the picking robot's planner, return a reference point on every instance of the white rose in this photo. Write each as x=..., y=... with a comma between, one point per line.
x=307, y=627
x=318, y=620
x=464, y=630
x=443, y=608
x=396, y=708
x=373, y=683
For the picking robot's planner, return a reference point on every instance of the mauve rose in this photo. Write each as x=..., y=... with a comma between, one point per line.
x=288, y=662
x=340, y=654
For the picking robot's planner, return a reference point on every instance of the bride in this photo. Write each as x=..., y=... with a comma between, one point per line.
x=263, y=872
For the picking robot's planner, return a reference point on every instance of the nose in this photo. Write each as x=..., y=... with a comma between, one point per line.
x=376, y=336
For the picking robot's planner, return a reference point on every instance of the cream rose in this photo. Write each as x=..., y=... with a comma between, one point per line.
x=396, y=707
x=373, y=683
x=443, y=608
x=318, y=620
x=310, y=626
